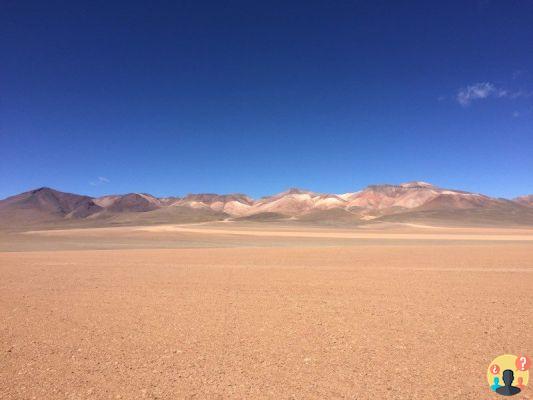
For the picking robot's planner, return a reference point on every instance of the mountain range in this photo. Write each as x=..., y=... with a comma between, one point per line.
x=408, y=202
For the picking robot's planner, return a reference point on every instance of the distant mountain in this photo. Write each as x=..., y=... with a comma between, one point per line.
x=45, y=205
x=412, y=195
x=407, y=195
x=296, y=202
x=525, y=200
x=407, y=202
x=131, y=202
x=231, y=204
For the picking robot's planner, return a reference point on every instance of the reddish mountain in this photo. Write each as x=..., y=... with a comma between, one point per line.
x=412, y=201
x=231, y=204
x=296, y=202
x=132, y=202
x=525, y=200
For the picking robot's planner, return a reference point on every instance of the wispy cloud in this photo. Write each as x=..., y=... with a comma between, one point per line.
x=101, y=180
x=484, y=90
x=477, y=91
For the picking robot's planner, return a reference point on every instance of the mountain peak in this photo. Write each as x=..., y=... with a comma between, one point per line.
x=42, y=189
x=417, y=184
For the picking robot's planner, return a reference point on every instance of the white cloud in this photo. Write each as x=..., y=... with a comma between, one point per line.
x=484, y=90
x=101, y=180
x=477, y=91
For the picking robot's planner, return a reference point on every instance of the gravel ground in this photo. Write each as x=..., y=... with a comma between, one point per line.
x=363, y=322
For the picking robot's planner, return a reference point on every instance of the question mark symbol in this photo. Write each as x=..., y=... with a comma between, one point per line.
x=523, y=363
x=495, y=368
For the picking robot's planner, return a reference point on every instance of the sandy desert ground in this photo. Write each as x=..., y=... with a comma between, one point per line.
x=254, y=312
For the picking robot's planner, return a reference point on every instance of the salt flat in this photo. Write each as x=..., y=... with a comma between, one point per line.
x=238, y=316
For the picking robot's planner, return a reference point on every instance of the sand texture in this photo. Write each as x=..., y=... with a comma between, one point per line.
x=372, y=319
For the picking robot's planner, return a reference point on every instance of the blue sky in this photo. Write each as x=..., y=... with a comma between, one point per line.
x=171, y=97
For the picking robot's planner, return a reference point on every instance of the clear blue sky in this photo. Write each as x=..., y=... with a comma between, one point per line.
x=176, y=97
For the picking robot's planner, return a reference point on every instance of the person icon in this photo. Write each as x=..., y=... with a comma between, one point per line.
x=520, y=383
x=508, y=389
x=496, y=384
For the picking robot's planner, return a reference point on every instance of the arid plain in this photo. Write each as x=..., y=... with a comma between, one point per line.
x=261, y=311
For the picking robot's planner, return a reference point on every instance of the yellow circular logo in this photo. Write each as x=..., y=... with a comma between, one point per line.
x=508, y=374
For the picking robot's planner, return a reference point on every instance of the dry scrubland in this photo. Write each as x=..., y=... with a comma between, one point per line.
x=234, y=312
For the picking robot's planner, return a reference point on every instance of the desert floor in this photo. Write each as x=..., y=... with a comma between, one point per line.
x=261, y=312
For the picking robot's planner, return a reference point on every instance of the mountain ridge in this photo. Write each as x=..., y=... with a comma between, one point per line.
x=375, y=202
